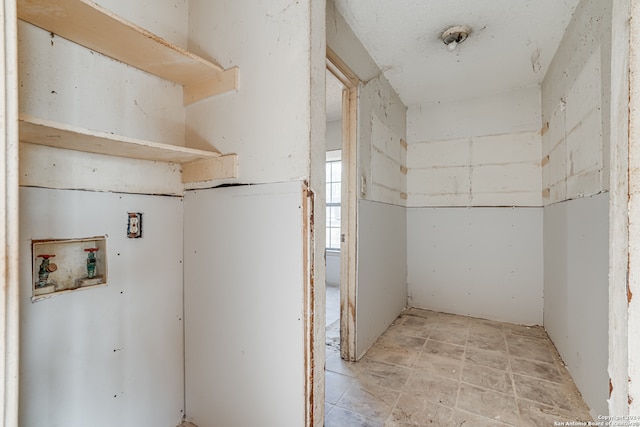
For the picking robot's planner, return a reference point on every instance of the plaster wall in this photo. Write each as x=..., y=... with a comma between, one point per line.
x=245, y=323
x=67, y=83
x=576, y=125
x=109, y=355
x=268, y=120
x=381, y=237
x=480, y=152
x=575, y=107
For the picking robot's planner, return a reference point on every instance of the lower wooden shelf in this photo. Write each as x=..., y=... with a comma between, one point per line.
x=197, y=165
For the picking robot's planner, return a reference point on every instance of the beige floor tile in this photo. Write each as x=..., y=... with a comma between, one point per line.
x=383, y=374
x=335, y=363
x=397, y=326
x=451, y=333
x=416, y=326
x=531, y=348
x=489, y=404
x=435, y=369
x=490, y=358
x=335, y=386
x=528, y=331
x=485, y=328
x=533, y=368
x=465, y=419
x=370, y=400
x=396, y=349
x=340, y=417
x=432, y=387
x=413, y=411
x=533, y=414
x=546, y=392
x=482, y=376
x=438, y=365
x=443, y=349
x=487, y=342
x=402, y=342
x=402, y=357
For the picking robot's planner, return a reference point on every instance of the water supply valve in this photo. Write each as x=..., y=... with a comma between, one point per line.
x=91, y=262
x=46, y=267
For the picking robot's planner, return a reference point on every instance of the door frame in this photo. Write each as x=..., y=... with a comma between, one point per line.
x=9, y=240
x=348, y=202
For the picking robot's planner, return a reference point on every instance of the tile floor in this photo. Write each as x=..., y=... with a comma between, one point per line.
x=435, y=369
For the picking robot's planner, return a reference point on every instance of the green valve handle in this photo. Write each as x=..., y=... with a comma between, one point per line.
x=91, y=262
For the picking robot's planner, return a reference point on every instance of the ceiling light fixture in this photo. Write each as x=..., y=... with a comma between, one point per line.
x=455, y=35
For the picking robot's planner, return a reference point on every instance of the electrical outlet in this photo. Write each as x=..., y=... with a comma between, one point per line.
x=363, y=186
x=134, y=225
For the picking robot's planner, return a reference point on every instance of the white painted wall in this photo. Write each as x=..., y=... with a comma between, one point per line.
x=622, y=206
x=576, y=291
x=244, y=306
x=575, y=108
x=334, y=135
x=482, y=262
x=275, y=123
x=267, y=121
x=381, y=238
x=333, y=267
x=474, y=224
x=110, y=355
x=382, y=269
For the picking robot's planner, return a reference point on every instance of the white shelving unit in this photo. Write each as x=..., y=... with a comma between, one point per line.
x=197, y=165
x=90, y=25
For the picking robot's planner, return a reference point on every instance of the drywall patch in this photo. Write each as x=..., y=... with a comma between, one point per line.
x=483, y=262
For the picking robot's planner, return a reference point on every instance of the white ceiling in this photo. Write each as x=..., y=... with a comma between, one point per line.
x=511, y=45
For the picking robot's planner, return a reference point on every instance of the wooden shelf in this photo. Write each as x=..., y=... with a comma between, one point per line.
x=198, y=165
x=90, y=25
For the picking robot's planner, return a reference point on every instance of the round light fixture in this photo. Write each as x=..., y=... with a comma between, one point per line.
x=455, y=35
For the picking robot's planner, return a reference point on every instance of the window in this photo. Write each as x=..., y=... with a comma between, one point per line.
x=334, y=175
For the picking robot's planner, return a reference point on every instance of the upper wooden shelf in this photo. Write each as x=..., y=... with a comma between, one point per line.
x=90, y=25
x=197, y=165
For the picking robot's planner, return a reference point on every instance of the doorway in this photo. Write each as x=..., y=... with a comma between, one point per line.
x=333, y=181
x=344, y=108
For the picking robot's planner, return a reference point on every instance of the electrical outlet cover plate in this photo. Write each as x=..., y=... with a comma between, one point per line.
x=134, y=225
